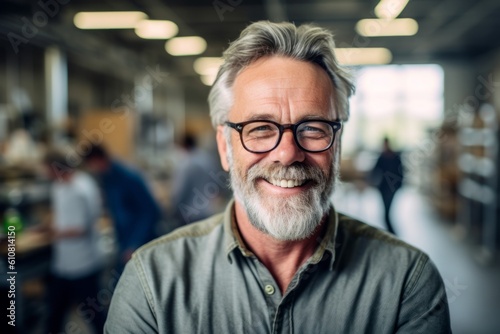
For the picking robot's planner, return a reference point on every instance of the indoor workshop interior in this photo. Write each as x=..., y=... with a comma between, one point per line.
x=133, y=78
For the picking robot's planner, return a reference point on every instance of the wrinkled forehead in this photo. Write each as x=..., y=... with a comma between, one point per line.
x=282, y=80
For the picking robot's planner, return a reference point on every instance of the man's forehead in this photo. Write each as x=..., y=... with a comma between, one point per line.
x=272, y=81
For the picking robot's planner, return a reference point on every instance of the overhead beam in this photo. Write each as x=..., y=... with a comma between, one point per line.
x=464, y=20
x=110, y=56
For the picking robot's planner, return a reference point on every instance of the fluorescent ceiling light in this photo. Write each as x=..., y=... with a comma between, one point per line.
x=363, y=56
x=185, y=46
x=108, y=20
x=381, y=27
x=156, y=29
x=207, y=65
x=390, y=9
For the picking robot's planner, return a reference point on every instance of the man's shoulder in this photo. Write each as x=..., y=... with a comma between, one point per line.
x=363, y=249
x=124, y=169
x=191, y=238
x=354, y=232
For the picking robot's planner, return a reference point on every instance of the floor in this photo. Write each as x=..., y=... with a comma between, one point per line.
x=473, y=288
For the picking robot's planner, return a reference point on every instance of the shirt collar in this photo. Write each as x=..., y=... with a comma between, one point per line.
x=230, y=240
x=326, y=246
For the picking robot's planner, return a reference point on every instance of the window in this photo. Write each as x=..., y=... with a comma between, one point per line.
x=398, y=101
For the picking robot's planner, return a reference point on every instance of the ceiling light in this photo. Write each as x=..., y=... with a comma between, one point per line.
x=185, y=46
x=156, y=29
x=208, y=79
x=381, y=27
x=108, y=20
x=363, y=56
x=390, y=9
x=207, y=65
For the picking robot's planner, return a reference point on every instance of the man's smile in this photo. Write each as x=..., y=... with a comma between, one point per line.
x=287, y=183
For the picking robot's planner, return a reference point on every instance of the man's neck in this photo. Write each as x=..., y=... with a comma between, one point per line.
x=282, y=258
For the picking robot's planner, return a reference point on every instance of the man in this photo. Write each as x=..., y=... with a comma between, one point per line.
x=387, y=175
x=77, y=261
x=131, y=205
x=280, y=259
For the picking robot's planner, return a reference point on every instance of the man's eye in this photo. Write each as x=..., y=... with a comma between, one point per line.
x=311, y=131
x=314, y=131
x=260, y=129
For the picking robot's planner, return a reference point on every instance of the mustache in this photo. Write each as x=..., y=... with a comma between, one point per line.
x=299, y=171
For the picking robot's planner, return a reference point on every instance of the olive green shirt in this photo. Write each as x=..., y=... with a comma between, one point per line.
x=202, y=279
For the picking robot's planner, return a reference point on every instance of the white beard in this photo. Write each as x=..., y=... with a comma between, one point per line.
x=286, y=219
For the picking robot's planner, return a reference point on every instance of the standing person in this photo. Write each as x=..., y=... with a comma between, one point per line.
x=387, y=176
x=77, y=262
x=280, y=259
x=193, y=194
x=132, y=207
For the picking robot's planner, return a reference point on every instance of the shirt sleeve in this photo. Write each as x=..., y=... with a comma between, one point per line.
x=424, y=307
x=131, y=310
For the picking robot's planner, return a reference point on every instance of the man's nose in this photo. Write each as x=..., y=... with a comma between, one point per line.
x=287, y=152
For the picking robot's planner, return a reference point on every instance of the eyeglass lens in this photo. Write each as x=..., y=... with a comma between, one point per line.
x=261, y=136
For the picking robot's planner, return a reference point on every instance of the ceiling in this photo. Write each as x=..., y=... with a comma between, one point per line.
x=448, y=29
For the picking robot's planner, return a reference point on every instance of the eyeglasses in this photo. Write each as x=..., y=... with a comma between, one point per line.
x=261, y=136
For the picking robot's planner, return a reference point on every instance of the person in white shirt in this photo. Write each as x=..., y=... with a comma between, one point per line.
x=77, y=261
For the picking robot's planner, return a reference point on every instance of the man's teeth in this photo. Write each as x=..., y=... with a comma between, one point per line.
x=287, y=183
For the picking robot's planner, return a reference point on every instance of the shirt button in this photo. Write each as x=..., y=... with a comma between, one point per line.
x=269, y=289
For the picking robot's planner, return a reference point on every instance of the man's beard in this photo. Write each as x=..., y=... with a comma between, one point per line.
x=287, y=218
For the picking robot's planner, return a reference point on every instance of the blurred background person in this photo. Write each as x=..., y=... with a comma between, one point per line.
x=196, y=189
x=77, y=261
x=131, y=204
x=387, y=177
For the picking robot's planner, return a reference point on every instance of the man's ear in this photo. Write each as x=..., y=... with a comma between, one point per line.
x=222, y=147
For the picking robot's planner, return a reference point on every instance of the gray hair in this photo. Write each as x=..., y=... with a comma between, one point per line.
x=264, y=38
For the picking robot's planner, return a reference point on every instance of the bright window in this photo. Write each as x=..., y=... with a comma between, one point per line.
x=399, y=101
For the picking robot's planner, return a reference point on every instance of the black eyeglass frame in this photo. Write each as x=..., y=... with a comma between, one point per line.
x=336, y=126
